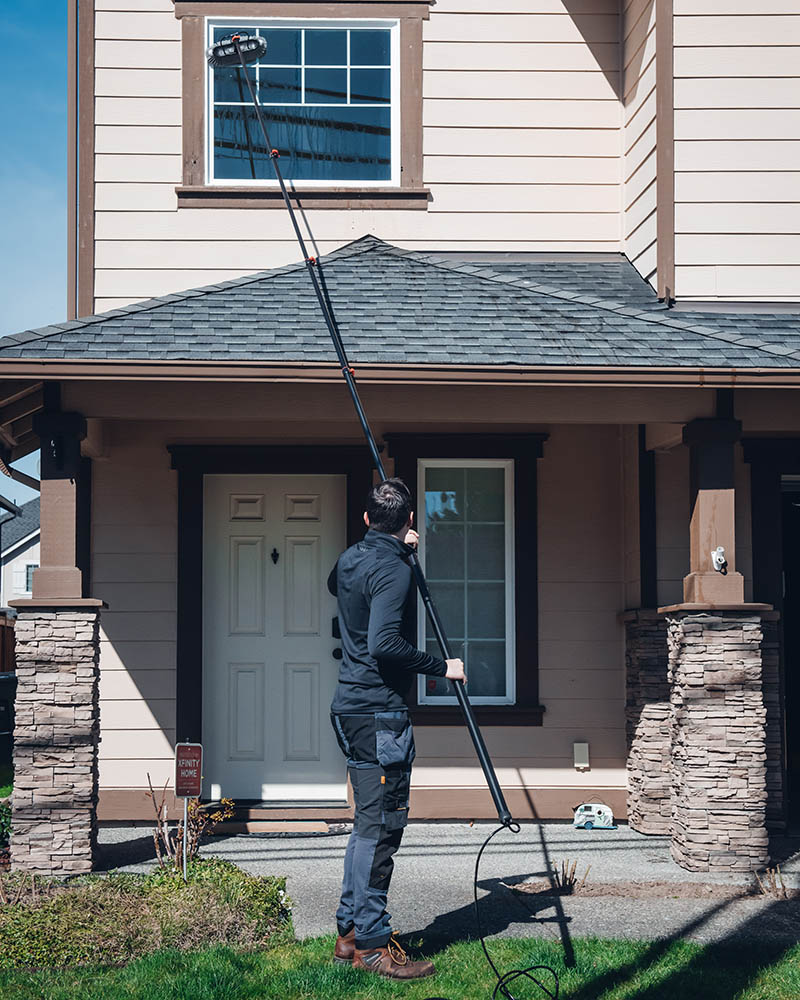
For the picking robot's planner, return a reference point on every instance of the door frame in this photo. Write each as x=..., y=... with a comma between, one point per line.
x=192, y=463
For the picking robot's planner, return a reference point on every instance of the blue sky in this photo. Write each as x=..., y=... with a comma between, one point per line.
x=33, y=173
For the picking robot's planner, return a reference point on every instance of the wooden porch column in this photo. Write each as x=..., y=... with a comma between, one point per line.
x=712, y=495
x=58, y=576
x=57, y=730
x=716, y=642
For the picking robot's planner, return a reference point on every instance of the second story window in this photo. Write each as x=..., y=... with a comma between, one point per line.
x=329, y=96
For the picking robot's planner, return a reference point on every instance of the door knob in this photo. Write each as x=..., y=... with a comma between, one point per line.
x=337, y=654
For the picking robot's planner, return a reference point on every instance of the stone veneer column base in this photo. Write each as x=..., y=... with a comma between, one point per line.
x=773, y=702
x=56, y=736
x=718, y=741
x=647, y=721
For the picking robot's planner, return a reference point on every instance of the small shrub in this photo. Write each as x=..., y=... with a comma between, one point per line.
x=202, y=819
x=566, y=880
x=113, y=919
x=772, y=884
x=5, y=823
x=6, y=780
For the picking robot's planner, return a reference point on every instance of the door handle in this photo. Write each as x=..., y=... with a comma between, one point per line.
x=337, y=654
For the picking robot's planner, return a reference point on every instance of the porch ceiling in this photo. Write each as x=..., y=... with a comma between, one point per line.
x=409, y=311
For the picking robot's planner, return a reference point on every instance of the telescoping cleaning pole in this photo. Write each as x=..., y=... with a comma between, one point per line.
x=239, y=50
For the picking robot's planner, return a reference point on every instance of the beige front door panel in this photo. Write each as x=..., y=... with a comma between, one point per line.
x=268, y=669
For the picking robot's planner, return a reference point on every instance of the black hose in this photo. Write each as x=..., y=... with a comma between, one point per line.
x=508, y=977
x=504, y=979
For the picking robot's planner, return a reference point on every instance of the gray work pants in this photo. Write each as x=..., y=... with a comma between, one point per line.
x=379, y=748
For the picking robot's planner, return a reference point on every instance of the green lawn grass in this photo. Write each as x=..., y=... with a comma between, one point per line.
x=603, y=970
x=6, y=780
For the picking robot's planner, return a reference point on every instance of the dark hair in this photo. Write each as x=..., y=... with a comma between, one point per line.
x=389, y=506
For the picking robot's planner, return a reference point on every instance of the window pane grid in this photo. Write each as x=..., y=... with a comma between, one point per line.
x=466, y=532
x=327, y=100
x=347, y=67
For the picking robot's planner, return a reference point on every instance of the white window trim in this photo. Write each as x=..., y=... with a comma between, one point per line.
x=507, y=464
x=290, y=22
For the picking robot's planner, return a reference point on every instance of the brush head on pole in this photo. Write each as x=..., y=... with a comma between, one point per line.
x=223, y=52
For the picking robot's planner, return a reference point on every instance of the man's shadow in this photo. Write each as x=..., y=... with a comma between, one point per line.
x=499, y=909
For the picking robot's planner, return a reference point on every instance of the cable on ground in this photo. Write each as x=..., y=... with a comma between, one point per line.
x=505, y=979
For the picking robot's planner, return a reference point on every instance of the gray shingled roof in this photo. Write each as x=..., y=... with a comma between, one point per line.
x=17, y=528
x=401, y=306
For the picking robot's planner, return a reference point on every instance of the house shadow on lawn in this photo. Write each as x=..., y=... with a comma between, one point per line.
x=722, y=970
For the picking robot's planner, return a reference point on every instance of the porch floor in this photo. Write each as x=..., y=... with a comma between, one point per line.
x=431, y=895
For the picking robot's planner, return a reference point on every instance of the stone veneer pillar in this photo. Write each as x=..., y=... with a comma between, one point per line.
x=57, y=731
x=773, y=703
x=647, y=720
x=718, y=724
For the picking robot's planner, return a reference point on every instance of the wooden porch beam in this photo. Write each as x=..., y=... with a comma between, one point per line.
x=24, y=406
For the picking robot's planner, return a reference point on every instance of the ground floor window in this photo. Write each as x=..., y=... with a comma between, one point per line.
x=475, y=500
x=466, y=522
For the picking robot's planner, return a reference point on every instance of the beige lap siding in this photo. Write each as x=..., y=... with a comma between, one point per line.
x=134, y=570
x=522, y=133
x=737, y=153
x=581, y=643
x=581, y=590
x=639, y=135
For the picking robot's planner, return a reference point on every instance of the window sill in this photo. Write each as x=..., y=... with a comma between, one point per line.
x=485, y=715
x=201, y=196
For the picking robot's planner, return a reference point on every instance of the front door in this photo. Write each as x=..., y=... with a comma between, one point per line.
x=268, y=666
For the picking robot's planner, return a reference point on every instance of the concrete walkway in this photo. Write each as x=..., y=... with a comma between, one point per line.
x=431, y=895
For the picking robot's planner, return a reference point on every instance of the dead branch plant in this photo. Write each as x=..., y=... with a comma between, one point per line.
x=566, y=880
x=773, y=884
x=168, y=842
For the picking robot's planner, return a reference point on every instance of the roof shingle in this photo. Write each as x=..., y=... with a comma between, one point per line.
x=418, y=308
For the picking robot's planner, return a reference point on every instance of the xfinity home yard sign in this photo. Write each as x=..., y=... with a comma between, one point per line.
x=188, y=770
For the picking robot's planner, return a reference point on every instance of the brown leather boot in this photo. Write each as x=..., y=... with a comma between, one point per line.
x=391, y=962
x=345, y=946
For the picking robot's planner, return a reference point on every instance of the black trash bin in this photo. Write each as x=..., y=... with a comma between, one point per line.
x=8, y=690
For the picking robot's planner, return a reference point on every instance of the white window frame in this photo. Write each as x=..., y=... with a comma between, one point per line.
x=28, y=566
x=393, y=24
x=507, y=464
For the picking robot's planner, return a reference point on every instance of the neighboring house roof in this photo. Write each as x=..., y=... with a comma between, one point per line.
x=19, y=528
x=413, y=307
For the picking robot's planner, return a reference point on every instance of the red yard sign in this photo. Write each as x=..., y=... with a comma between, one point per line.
x=188, y=770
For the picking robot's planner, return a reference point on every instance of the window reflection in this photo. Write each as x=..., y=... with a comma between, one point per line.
x=330, y=118
x=465, y=563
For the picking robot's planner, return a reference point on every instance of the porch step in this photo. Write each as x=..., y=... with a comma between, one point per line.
x=272, y=826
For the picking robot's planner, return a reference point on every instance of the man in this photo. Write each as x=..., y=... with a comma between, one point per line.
x=374, y=586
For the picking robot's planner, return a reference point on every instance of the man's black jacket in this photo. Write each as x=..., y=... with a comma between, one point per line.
x=374, y=586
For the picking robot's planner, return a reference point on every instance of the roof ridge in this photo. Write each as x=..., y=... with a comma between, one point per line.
x=482, y=270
